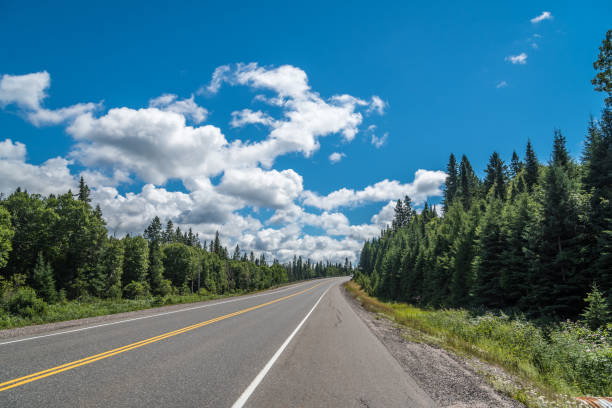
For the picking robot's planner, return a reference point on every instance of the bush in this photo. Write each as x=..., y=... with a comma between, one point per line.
x=25, y=303
x=136, y=290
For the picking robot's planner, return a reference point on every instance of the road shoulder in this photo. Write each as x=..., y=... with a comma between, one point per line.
x=448, y=379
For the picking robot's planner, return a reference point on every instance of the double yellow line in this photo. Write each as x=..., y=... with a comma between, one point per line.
x=88, y=360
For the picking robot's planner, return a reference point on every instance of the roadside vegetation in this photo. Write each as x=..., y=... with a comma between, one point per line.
x=552, y=363
x=517, y=268
x=58, y=262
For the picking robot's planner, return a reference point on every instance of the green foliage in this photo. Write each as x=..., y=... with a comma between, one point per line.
x=568, y=358
x=24, y=302
x=43, y=281
x=136, y=259
x=6, y=234
x=136, y=290
x=597, y=312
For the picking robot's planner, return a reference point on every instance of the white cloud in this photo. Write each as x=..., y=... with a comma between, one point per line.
x=426, y=183
x=377, y=105
x=501, y=84
x=185, y=107
x=157, y=145
x=259, y=188
x=544, y=16
x=336, y=157
x=385, y=216
x=28, y=92
x=247, y=116
x=52, y=176
x=520, y=59
x=217, y=80
x=378, y=142
x=12, y=151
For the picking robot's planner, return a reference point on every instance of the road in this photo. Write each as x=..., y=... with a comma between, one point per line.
x=301, y=346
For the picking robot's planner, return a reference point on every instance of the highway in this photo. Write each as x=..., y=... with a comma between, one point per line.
x=297, y=346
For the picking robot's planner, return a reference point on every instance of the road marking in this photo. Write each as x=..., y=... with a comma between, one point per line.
x=88, y=360
x=249, y=390
x=155, y=315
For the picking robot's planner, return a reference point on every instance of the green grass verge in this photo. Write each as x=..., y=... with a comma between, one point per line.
x=79, y=309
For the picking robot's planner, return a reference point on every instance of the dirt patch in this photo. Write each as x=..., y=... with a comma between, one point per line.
x=450, y=380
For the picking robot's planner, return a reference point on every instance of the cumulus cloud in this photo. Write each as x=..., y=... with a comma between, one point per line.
x=546, y=15
x=426, y=183
x=520, y=59
x=259, y=188
x=27, y=92
x=185, y=107
x=156, y=145
x=335, y=157
x=52, y=176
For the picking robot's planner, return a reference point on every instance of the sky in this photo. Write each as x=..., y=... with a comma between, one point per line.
x=288, y=129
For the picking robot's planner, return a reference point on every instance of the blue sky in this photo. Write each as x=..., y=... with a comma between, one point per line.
x=434, y=78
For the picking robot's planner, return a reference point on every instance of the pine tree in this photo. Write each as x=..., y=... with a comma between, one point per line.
x=468, y=183
x=488, y=290
x=169, y=232
x=516, y=165
x=236, y=253
x=84, y=191
x=451, y=185
x=495, y=177
x=43, y=281
x=596, y=313
x=531, y=167
x=560, y=284
x=153, y=233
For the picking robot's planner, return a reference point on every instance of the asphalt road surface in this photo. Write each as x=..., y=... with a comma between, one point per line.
x=298, y=346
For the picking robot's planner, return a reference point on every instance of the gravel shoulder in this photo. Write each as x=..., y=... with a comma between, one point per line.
x=450, y=380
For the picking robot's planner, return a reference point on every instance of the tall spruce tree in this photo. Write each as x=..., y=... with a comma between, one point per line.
x=451, y=184
x=531, y=167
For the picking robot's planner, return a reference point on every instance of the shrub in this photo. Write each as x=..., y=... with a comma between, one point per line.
x=136, y=290
x=25, y=303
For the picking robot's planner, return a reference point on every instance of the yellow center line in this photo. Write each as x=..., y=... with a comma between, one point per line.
x=88, y=360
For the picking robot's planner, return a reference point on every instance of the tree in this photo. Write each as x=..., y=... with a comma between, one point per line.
x=450, y=188
x=153, y=233
x=111, y=267
x=43, y=281
x=531, y=167
x=603, y=78
x=6, y=234
x=516, y=165
x=495, y=177
x=596, y=314
x=168, y=235
x=136, y=259
x=468, y=183
x=560, y=285
x=84, y=192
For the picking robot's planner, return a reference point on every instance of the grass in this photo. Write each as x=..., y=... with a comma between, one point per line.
x=548, y=365
x=92, y=307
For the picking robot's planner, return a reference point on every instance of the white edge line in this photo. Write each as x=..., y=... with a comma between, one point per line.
x=155, y=315
x=251, y=388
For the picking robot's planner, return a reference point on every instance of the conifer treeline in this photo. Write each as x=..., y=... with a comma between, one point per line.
x=59, y=246
x=529, y=237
